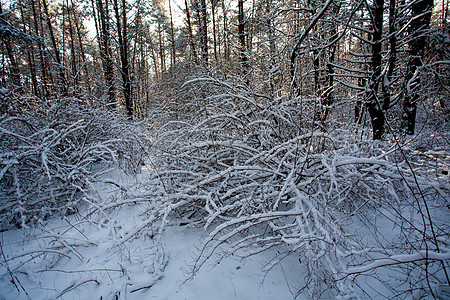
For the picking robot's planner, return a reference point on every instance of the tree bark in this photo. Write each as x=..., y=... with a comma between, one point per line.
x=123, y=52
x=82, y=50
x=73, y=52
x=59, y=66
x=13, y=66
x=373, y=101
x=213, y=11
x=30, y=53
x=204, y=31
x=241, y=34
x=43, y=67
x=172, y=36
x=392, y=56
x=191, y=35
x=421, y=16
x=105, y=51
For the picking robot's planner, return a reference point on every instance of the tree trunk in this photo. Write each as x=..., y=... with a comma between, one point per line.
x=204, y=31
x=241, y=35
x=421, y=16
x=123, y=52
x=42, y=61
x=226, y=45
x=105, y=51
x=161, y=49
x=83, y=52
x=392, y=56
x=327, y=96
x=191, y=35
x=13, y=66
x=213, y=11
x=30, y=53
x=72, y=46
x=373, y=103
x=172, y=36
x=62, y=84
x=155, y=60
x=300, y=40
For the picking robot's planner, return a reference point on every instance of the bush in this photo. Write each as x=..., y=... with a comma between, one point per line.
x=50, y=154
x=262, y=175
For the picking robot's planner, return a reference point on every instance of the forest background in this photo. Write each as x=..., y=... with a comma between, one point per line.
x=272, y=123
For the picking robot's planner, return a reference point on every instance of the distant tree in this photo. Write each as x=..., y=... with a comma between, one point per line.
x=202, y=20
x=62, y=82
x=103, y=35
x=172, y=36
x=123, y=39
x=242, y=37
x=6, y=35
x=191, y=34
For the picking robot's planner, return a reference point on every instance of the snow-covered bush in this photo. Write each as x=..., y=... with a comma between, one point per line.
x=50, y=154
x=259, y=174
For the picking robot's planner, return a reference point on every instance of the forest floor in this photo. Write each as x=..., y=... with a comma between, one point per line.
x=82, y=257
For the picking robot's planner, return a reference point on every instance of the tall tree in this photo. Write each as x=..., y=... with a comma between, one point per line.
x=388, y=77
x=373, y=97
x=241, y=34
x=191, y=35
x=121, y=20
x=172, y=36
x=213, y=13
x=203, y=30
x=13, y=65
x=420, y=21
x=105, y=49
x=73, y=53
x=45, y=77
x=62, y=84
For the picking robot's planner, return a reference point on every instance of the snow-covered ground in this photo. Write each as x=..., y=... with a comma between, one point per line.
x=82, y=257
x=104, y=270
x=137, y=237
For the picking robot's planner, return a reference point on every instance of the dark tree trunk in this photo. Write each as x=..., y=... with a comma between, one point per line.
x=241, y=35
x=191, y=35
x=14, y=68
x=328, y=96
x=421, y=16
x=392, y=56
x=162, y=57
x=213, y=11
x=72, y=45
x=105, y=51
x=172, y=35
x=62, y=84
x=226, y=45
x=373, y=101
x=82, y=50
x=204, y=31
x=43, y=67
x=30, y=53
x=123, y=51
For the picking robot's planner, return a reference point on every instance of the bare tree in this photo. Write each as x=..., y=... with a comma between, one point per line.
x=103, y=36
x=420, y=20
x=374, y=100
x=121, y=20
x=13, y=65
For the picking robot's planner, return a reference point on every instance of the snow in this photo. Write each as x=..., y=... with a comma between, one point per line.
x=227, y=209
x=118, y=252
x=103, y=270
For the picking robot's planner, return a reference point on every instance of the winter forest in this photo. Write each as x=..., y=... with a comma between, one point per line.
x=224, y=149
